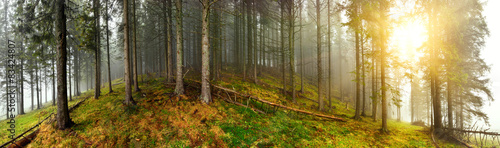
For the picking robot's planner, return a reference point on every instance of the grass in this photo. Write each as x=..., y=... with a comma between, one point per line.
x=30, y=119
x=162, y=120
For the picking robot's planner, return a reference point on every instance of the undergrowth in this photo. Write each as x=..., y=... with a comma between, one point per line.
x=161, y=119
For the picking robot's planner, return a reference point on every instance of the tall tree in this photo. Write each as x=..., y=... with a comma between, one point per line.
x=134, y=52
x=107, y=48
x=329, y=24
x=63, y=119
x=128, y=85
x=205, y=45
x=97, y=91
x=383, y=8
x=291, y=47
x=169, y=60
x=179, y=87
x=318, y=46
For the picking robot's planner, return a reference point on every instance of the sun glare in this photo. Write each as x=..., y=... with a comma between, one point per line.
x=407, y=38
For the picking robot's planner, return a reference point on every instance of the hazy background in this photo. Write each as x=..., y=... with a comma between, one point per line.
x=491, y=54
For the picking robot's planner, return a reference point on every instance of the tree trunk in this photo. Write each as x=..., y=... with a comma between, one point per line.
x=107, y=49
x=63, y=119
x=254, y=26
x=205, y=70
x=128, y=88
x=450, y=103
x=383, y=34
x=53, y=83
x=37, y=90
x=136, y=81
x=301, y=51
x=318, y=46
x=170, y=77
x=291, y=49
x=97, y=90
x=357, y=42
x=69, y=74
x=179, y=87
x=329, y=56
x=282, y=31
x=363, y=97
x=21, y=99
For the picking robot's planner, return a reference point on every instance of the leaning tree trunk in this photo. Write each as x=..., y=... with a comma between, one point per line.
x=179, y=87
x=63, y=119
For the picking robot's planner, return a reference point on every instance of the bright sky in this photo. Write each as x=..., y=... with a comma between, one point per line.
x=491, y=55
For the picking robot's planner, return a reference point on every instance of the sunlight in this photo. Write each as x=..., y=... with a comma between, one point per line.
x=407, y=38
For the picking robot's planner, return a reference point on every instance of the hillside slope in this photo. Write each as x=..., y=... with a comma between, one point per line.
x=162, y=120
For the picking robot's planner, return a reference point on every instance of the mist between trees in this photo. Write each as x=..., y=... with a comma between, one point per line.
x=345, y=48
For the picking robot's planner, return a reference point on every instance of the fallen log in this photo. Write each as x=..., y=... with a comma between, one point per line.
x=239, y=104
x=14, y=144
x=274, y=104
x=27, y=139
x=476, y=132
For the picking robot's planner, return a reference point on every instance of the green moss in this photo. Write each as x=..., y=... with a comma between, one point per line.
x=161, y=121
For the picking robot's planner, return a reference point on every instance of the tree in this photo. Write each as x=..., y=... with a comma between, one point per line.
x=107, y=49
x=97, y=56
x=383, y=8
x=169, y=41
x=179, y=86
x=134, y=21
x=63, y=119
x=128, y=88
x=205, y=45
x=291, y=39
x=318, y=46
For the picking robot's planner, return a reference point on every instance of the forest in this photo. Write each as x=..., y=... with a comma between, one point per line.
x=245, y=73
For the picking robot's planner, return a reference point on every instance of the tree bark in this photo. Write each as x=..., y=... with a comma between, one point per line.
x=170, y=77
x=301, y=51
x=383, y=33
x=329, y=56
x=107, y=49
x=357, y=42
x=63, y=119
x=179, y=87
x=128, y=88
x=205, y=45
x=318, y=46
x=363, y=96
x=136, y=81
x=282, y=31
x=374, y=83
x=291, y=48
x=97, y=90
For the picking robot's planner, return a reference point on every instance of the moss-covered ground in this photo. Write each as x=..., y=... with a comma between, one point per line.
x=161, y=119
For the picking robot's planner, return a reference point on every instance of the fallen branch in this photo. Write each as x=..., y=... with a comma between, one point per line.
x=239, y=104
x=477, y=132
x=14, y=144
x=274, y=104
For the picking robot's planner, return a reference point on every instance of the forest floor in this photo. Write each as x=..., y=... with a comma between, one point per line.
x=162, y=120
